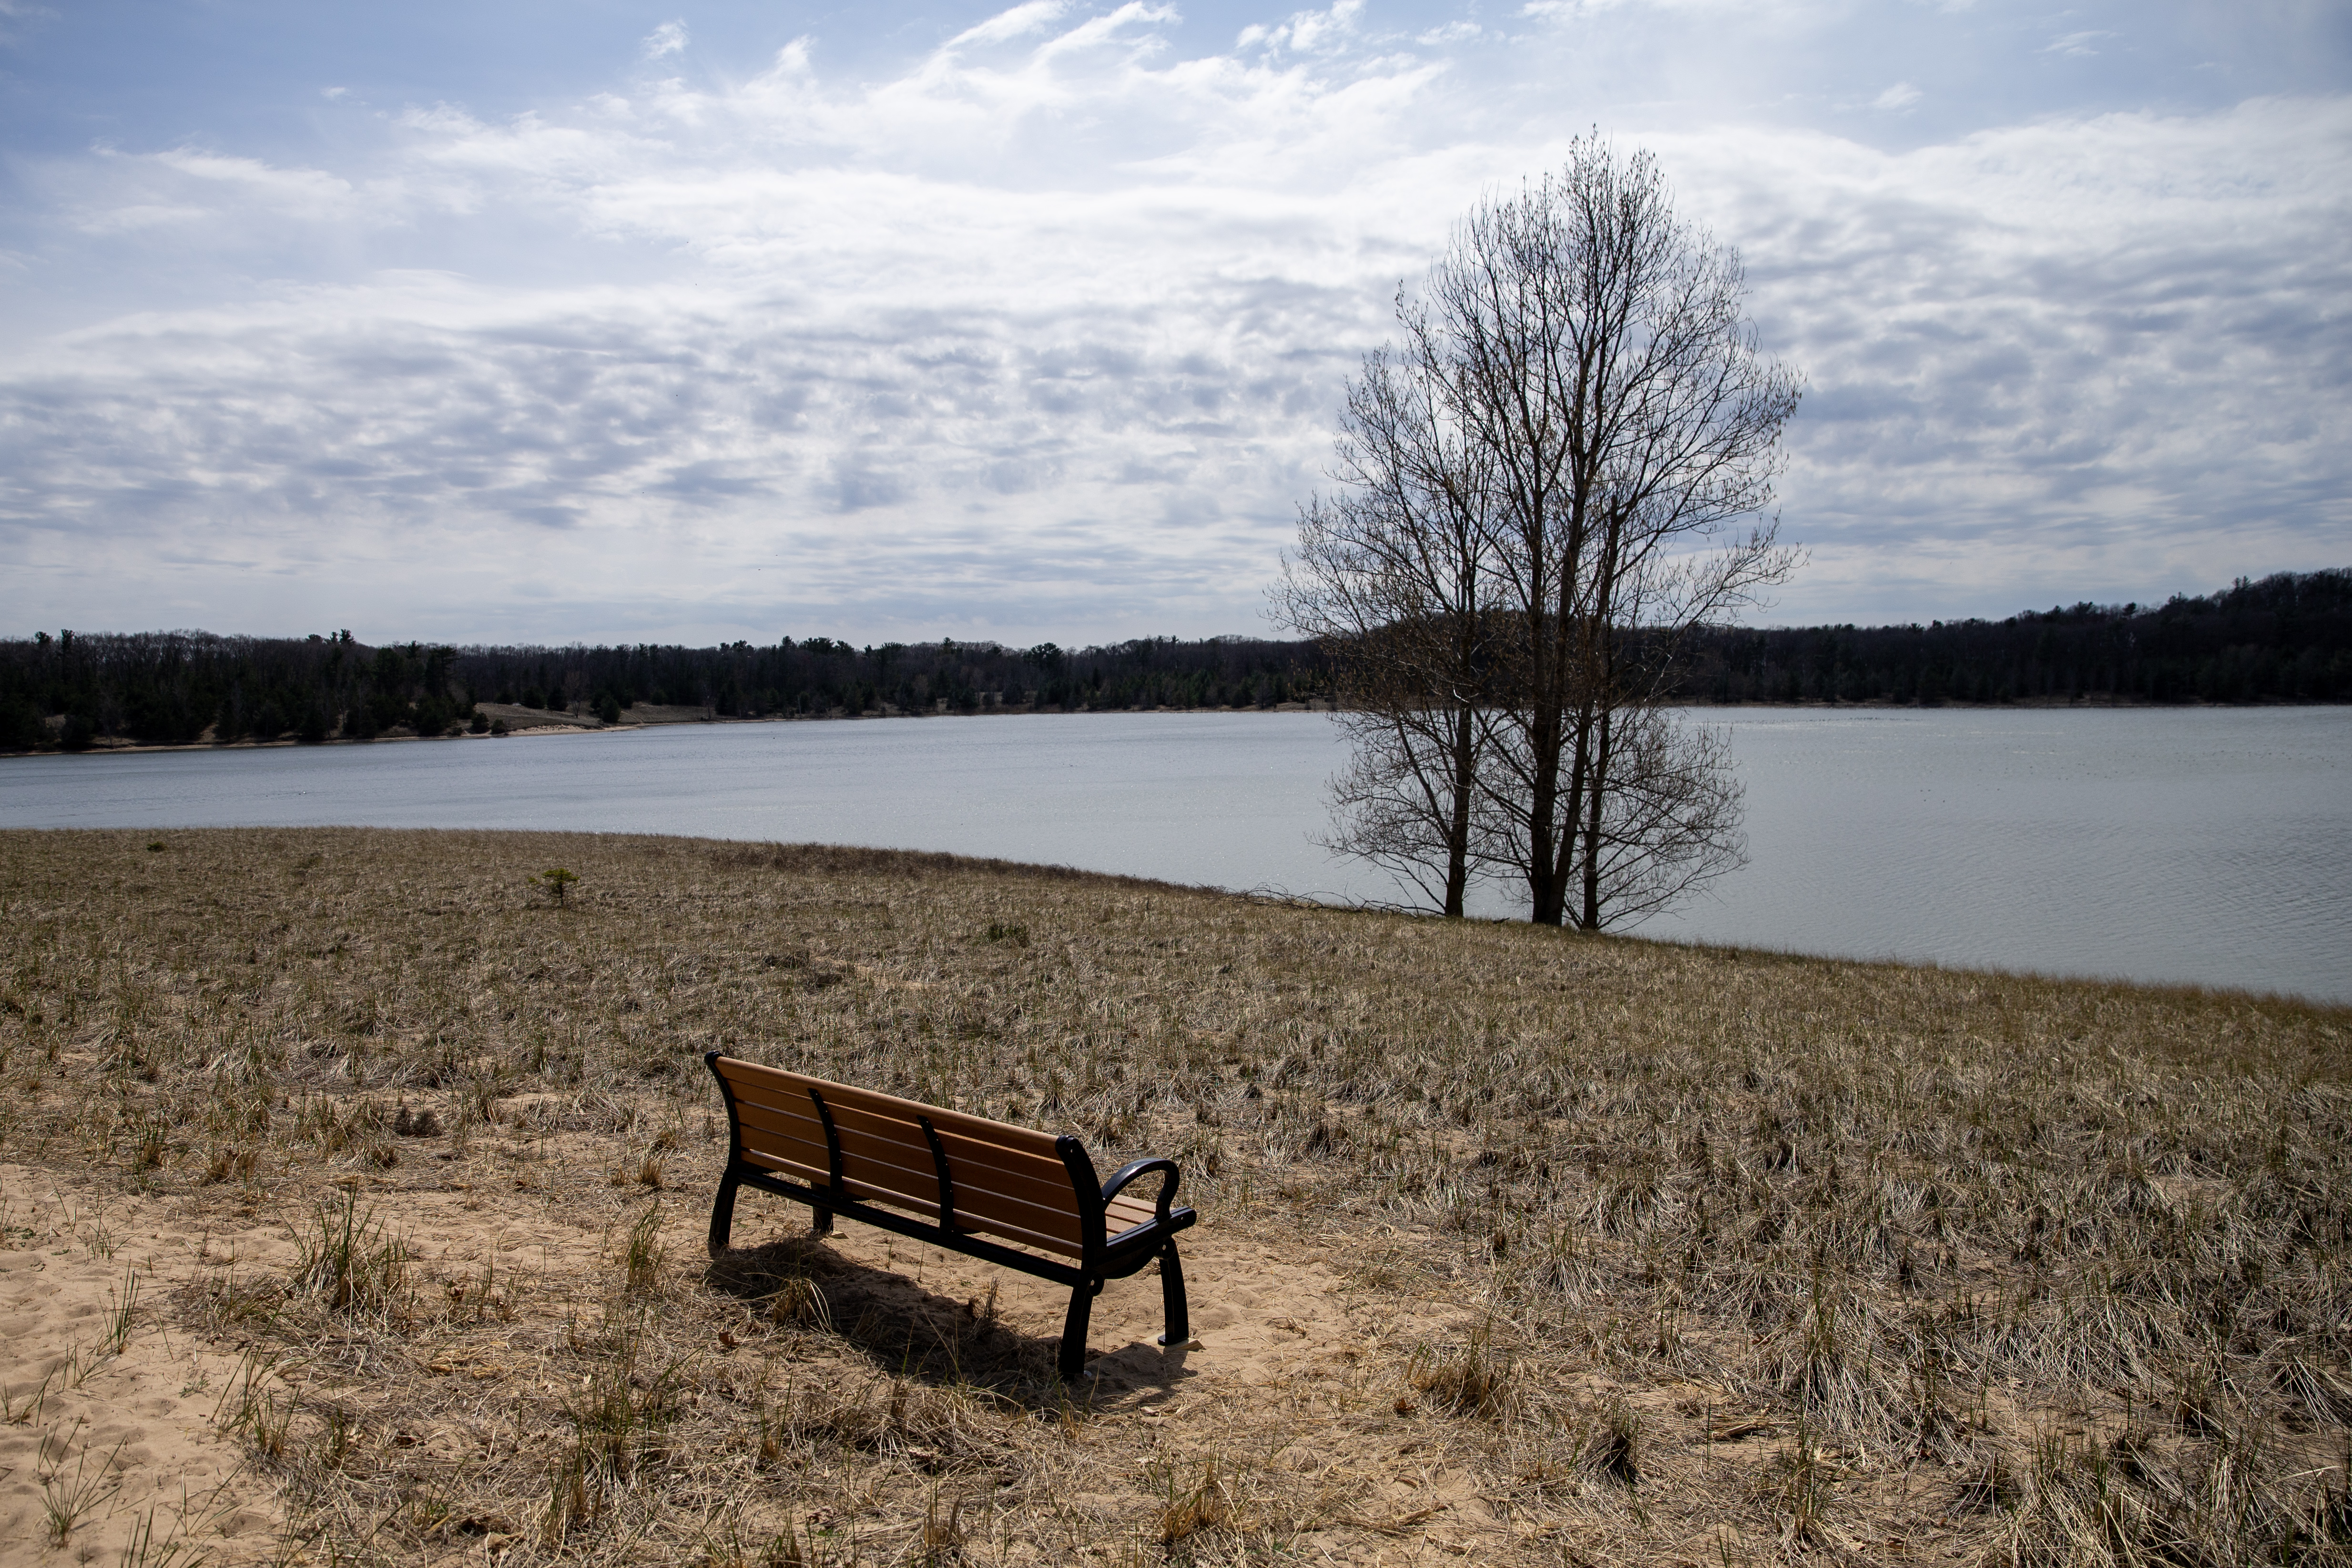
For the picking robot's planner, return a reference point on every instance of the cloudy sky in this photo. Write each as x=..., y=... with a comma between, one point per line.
x=521, y=320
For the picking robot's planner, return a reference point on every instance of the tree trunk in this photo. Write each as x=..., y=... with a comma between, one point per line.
x=1458, y=828
x=1590, y=919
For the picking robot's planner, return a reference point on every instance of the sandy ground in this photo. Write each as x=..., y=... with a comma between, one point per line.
x=115, y=1439
x=105, y=1443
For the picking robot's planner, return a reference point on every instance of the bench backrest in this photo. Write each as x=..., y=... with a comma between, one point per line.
x=1010, y=1182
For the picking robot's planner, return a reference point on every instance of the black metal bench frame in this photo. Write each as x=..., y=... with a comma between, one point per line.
x=1104, y=1258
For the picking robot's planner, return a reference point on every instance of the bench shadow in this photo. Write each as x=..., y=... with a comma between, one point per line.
x=940, y=1339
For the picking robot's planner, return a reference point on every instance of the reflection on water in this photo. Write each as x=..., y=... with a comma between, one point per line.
x=2211, y=846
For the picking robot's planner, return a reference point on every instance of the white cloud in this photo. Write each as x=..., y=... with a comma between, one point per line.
x=1312, y=32
x=1902, y=95
x=2066, y=343
x=1565, y=10
x=303, y=185
x=1019, y=22
x=669, y=38
x=1041, y=335
x=2082, y=45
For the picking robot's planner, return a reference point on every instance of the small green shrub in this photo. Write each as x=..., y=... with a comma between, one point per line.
x=555, y=880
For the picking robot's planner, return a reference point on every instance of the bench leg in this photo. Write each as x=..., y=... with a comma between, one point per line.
x=1176, y=1320
x=821, y=1222
x=1074, y=1330
x=722, y=1214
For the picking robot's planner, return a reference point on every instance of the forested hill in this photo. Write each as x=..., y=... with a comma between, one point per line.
x=167, y=688
x=2285, y=638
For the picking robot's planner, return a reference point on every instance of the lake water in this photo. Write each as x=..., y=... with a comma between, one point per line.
x=2211, y=846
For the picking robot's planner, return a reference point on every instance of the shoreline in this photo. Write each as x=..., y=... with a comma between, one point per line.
x=951, y=864
x=556, y=724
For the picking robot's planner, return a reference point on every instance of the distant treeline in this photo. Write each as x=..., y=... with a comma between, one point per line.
x=173, y=687
x=2286, y=639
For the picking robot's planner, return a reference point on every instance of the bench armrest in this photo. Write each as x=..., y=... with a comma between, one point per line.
x=1135, y=1168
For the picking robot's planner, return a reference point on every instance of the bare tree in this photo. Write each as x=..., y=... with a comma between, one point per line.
x=1538, y=495
x=1606, y=347
x=1387, y=576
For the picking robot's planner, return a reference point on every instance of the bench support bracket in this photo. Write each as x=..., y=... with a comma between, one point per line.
x=820, y=1224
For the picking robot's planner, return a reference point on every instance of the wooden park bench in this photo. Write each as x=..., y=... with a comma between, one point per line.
x=887, y=1160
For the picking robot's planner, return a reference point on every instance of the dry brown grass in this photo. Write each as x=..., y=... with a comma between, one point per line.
x=1652, y=1253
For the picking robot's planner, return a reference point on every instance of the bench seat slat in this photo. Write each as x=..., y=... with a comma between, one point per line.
x=974, y=1208
x=1069, y=1246
x=1123, y=1213
x=988, y=1225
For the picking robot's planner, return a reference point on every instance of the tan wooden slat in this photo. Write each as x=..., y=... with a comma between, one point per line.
x=789, y=1152
x=813, y=1175
x=1032, y=1207
x=871, y=1167
x=1066, y=1246
x=985, y=1224
x=892, y=1128
x=992, y=1225
x=1027, y=1139
x=874, y=1168
x=754, y=1133
x=971, y=1164
x=783, y=1107
x=978, y=1155
x=1123, y=1213
x=977, y=1170
x=995, y=1208
x=1018, y=1207
x=898, y=1167
x=789, y=1148
x=1009, y=1181
x=773, y=1120
x=895, y=1198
